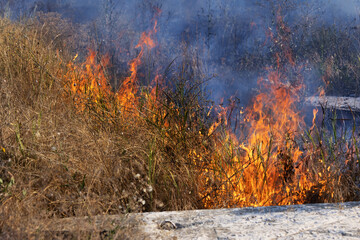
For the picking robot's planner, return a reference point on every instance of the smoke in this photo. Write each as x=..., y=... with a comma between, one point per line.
x=231, y=38
x=348, y=7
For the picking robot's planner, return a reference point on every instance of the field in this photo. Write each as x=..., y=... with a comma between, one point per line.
x=80, y=137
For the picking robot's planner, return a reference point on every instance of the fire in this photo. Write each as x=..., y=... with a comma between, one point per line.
x=266, y=167
x=126, y=95
x=275, y=157
x=89, y=84
x=315, y=112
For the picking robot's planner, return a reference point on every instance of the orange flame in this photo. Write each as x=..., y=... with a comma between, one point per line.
x=315, y=112
x=267, y=167
x=89, y=84
x=126, y=95
x=266, y=173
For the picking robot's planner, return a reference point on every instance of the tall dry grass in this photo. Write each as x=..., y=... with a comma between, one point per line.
x=58, y=163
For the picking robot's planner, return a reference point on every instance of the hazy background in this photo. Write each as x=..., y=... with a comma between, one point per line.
x=228, y=41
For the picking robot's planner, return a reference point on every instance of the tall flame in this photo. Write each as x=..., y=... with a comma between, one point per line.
x=89, y=84
x=126, y=95
x=266, y=167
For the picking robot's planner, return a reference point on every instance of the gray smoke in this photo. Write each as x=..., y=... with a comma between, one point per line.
x=231, y=38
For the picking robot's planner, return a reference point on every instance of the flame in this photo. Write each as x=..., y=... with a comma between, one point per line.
x=89, y=85
x=126, y=95
x=221, y=118
x=267, y=166
x=263, y=166
x=315, y=112
x=269, y=171
x=271, y=149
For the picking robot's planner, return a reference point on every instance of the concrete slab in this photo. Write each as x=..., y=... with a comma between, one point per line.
x=313, y=221
x=340, y=103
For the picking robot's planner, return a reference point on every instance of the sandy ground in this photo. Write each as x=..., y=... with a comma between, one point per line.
x=312, y=221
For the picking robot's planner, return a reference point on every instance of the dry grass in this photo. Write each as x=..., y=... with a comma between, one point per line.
x=57, y=162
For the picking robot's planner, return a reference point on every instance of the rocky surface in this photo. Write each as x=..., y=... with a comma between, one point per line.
x=313, y=221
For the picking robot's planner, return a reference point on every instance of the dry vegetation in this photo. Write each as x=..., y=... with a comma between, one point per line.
x=58, y=161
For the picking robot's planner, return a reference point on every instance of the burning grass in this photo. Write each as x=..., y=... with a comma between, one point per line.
x=71, y=145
